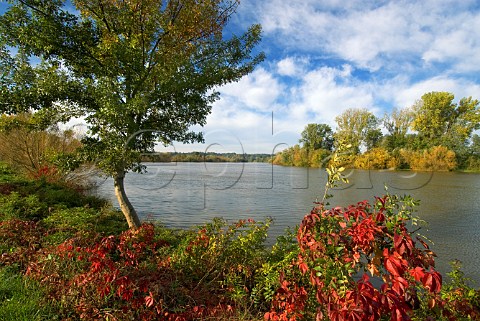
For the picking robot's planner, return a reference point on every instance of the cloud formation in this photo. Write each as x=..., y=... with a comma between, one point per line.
x=326, y=56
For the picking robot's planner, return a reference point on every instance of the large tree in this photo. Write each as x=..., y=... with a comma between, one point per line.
x=357, y=127
x=138, y=71
x=316, y=136
x=438, y=120
x=397, y=124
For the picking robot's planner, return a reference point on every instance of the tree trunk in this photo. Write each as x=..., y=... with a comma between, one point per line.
x=125, y=205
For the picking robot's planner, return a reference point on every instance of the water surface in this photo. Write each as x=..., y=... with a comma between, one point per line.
x=185, y=194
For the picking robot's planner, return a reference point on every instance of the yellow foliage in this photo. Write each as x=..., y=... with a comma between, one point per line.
x=437, y=158
x=319, y=158
x=377, y=158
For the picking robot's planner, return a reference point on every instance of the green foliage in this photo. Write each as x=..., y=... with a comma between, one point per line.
x=267, y=278
x=27, y=208
x=357, y=127
x=226, y=254
x=85, y=268
x=335, y=169
x=302, y=157
x=462, y=300
x=440, y=121
x=317, y=136
x=67, y=222
x=437, y=120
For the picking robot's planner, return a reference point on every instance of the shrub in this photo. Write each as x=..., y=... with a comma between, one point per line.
x=26, y=208
x=363, y=241
x=377, y=158
x=437, y=158
x=138, y=275
x=64, y=223
x=461, y=300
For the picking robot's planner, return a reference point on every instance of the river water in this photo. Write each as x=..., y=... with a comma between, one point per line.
x=185, y=194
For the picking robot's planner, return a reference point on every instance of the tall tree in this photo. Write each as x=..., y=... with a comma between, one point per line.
x=316, y=136
x=354, y=126
x=397, y=124
x=438, y=120
x=138, y=71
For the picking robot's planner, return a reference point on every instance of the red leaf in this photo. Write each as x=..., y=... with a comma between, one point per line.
x=303, y=267
x=417, y=273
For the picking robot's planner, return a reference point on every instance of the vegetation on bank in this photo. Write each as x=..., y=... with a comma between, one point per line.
x=434, y=134
x=67, y=256
x=199, y=157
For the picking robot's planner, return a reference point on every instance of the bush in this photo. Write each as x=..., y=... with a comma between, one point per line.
x=25, y=208
x=341, y=250
x=65, y=223
x=437, y=158
x=206, y=272
x=377, y=158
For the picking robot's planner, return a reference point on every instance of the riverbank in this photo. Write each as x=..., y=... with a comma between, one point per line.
x=72, y=256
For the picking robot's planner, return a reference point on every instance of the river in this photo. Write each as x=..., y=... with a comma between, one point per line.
x=184, y=194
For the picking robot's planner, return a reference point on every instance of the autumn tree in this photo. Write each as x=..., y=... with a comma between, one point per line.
x=29, y=149
x=317, y=136
x=137, y=71
x=355, y=127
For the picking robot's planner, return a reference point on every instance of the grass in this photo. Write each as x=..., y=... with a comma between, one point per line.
x=22, y=299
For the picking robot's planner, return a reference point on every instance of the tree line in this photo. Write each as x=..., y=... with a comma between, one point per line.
x=435, y=133
x=198, y=157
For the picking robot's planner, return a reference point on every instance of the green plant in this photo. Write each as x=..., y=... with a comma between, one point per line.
x=22, y=299
x=66, y=222
x=16, y=206
x=462, y=301
x=281, y=256
x=224, y=254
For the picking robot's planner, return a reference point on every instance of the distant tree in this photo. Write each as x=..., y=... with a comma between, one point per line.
x=397, y=124
x=475, y=145
x=353, y=127
x=29, y=149
x=138, y=71
x=317, y=136
x=373, y=138
x=438, y=120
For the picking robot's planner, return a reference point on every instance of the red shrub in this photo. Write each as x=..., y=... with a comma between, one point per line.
x=341, y=244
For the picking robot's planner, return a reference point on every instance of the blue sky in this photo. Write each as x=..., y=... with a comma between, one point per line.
x=324, y=57
x=327, y=56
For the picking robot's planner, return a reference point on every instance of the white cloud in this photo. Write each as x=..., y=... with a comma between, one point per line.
x=326, y=92
x=407, y=95
x=373, y=35
x=326, y=56
x=258, y=90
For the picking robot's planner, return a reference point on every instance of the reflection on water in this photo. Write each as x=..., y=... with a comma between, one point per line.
x=185, y=194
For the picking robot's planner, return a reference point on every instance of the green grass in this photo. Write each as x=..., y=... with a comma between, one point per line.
x=22, y=299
